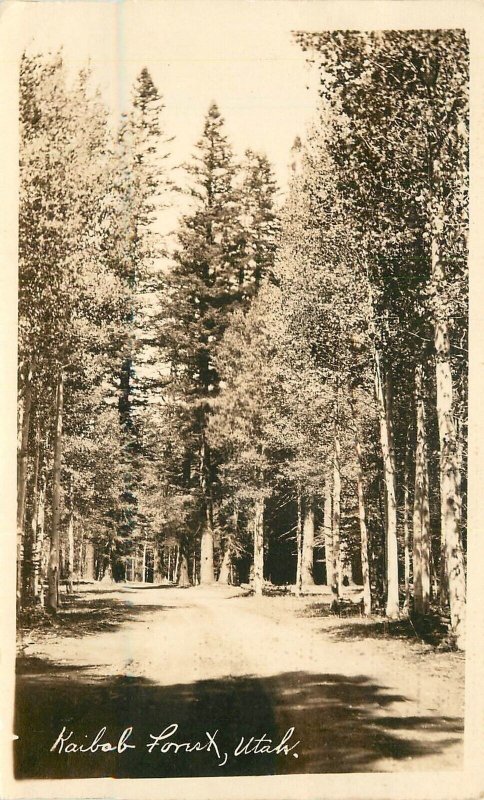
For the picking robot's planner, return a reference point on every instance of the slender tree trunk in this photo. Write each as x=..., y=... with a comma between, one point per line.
x=107, y=569
x=449, y=479
x=458, y=521
x=337, y=577
x=406, y=522
x=62, y=564
x=207, y=574
x=124, y=401
x=90, y=565
x=135, y=565
x=392, y=600
x=421, y=512
x=443, y=577
x=30, y=530
x=143, y=576
x=54, y=560
x=299, y=541
x=259, y=545
x=459, y=464
x=328, y=531
x=224, y=574
x=307, y=576
x=365, y=564
x=22, y=470
x=177, y=564
x=70, y=539
x=157, y=570
x=346, y=565
x=80, y=558
x=39, y=561
x=183, y=577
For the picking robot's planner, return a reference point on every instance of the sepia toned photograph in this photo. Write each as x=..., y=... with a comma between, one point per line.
x=242, y=408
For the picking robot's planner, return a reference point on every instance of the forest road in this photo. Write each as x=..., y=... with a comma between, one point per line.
x=215, y=661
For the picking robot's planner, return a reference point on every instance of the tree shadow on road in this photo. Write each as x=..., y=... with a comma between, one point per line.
x=344, y=724
x=82, y=614
x=432, y=628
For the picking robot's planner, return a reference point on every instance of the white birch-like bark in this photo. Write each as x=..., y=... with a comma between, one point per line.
x=452, y=550
x=258, y=545
x=392, y=607
x=54, y=554
x=421, y=510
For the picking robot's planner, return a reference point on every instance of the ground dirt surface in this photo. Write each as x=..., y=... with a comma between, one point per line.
x=217, y=659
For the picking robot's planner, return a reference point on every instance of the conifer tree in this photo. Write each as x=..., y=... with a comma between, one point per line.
x=260, y=224
x=142, y=189
x=206, y=283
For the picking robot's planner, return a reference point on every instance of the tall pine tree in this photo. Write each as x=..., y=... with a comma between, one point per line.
x=142, y=190
x=205, y=284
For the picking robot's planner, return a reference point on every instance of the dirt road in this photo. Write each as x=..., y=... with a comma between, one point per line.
x=228, y=669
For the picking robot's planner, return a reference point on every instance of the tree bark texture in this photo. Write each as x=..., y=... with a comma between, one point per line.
x=54, y=555
x=337, y=576
x=22, y=471
x=90, y=572
x=421, y=510
x=207, y=574
x=70, y=539
x=183, y=576
x=40, y=557
x=449, y=468
x=259, y=545
x=365, y=564
x=30, y=530
x=157, y=569
x=406, y=524
x=299, y=541
x=307, y=576
x=328, y=531
x=224, y=574
x=392, y=607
